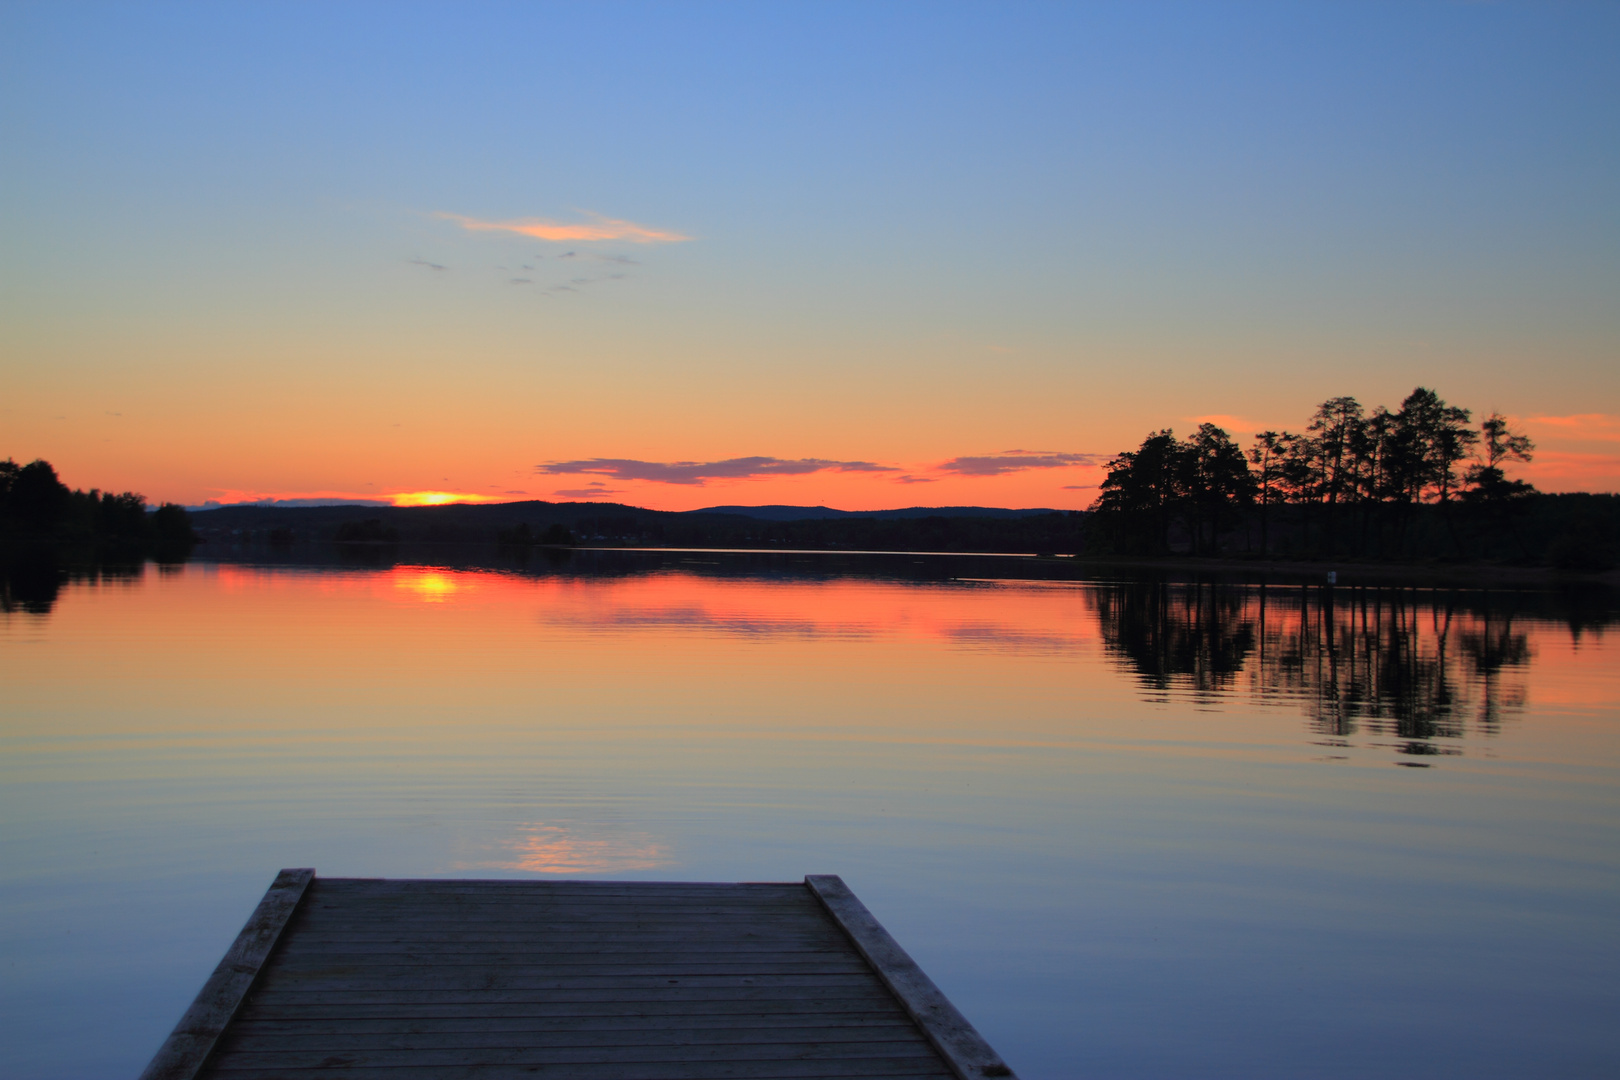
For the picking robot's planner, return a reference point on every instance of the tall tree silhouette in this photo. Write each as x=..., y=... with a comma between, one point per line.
x=1142, y=484
x=1215, y=482
x=1336, y=430
x=1499, y=444
x=1269, y=454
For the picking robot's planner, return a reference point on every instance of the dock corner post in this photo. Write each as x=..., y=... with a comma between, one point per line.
x=957, y=1041
x=183, y=1053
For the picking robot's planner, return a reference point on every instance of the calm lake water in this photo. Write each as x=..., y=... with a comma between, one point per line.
x=1134, y=828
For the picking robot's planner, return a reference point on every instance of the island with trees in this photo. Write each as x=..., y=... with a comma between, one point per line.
x=1417, y=483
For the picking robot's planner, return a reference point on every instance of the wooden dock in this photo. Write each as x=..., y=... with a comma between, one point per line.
x=478, y=980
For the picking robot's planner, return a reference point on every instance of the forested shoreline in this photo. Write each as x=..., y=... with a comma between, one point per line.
x=38, y=511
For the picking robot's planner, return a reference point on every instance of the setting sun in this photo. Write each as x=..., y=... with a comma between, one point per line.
x=438, y=498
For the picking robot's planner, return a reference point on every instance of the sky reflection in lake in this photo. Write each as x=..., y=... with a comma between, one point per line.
x=1134, y=828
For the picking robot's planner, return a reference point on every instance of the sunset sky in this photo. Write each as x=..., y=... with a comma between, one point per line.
x=864, y=255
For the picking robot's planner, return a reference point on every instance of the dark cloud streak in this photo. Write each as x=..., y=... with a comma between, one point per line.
x=1016, y=461
x=698, y=473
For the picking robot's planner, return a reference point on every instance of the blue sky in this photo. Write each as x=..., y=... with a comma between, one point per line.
x=917, y=232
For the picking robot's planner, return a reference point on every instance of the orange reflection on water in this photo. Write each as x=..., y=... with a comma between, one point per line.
x=435, y=653
x=434, y=586
x=559, y=849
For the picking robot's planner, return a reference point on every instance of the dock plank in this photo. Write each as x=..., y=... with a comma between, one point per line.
x=303, y=1058
x=876, y=1005
x=571, y=1032
x=195, y=1038
x=482, y=980
x=958, y=1042
x=870, y=1069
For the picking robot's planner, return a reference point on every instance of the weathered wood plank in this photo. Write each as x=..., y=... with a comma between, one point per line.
x=562, y=951
x=754, y=1070
x=631, y=1025
x=673, y=945
x=519, y=906
x=562, y=900
x=604, y=921
x=377, y=898
x=182, y=1055
x=493, y=897
x=715, y=1042
x=962, y=1047
x=914, y=1048
x=515, y=909
x=878, y=1004
x=681, y=964
x=746, y=995
x=491, y=981
x=650, y=888
x=545, y=937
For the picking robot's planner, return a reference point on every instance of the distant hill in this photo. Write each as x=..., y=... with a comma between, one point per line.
x=213, y=504
x=613, y=524
x=822, y=513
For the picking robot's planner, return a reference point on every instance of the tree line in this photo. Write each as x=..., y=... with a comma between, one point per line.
x=37, y=509
x=1355, y=481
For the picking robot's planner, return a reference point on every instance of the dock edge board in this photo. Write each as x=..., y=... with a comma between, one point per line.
x=186, y=1050
x=957, y=1041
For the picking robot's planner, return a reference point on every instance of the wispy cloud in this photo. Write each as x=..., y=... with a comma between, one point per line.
x=1593, y=427
x=698, y=473
x=909, y=479
x=622, y=260
x=429, y=265
x=596, y=228
x=1010, y=461
x=594, y=489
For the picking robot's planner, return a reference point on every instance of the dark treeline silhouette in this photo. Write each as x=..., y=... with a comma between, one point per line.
x=1048, y=534
x=37, y=511
x=560, y=524
x=51, y=535
x=1417, y=482
x=1413, y=666
x=369, y=531
x=554, y=535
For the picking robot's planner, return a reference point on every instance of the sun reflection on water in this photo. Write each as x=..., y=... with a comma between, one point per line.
x=434, y=586
x=563, y=849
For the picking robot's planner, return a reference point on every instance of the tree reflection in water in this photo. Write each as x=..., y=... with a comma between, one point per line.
x=1414, y=665
x=32, y=580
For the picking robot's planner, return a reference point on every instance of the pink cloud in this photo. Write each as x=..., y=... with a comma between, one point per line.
x=1584, y=427
x=598, y=228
